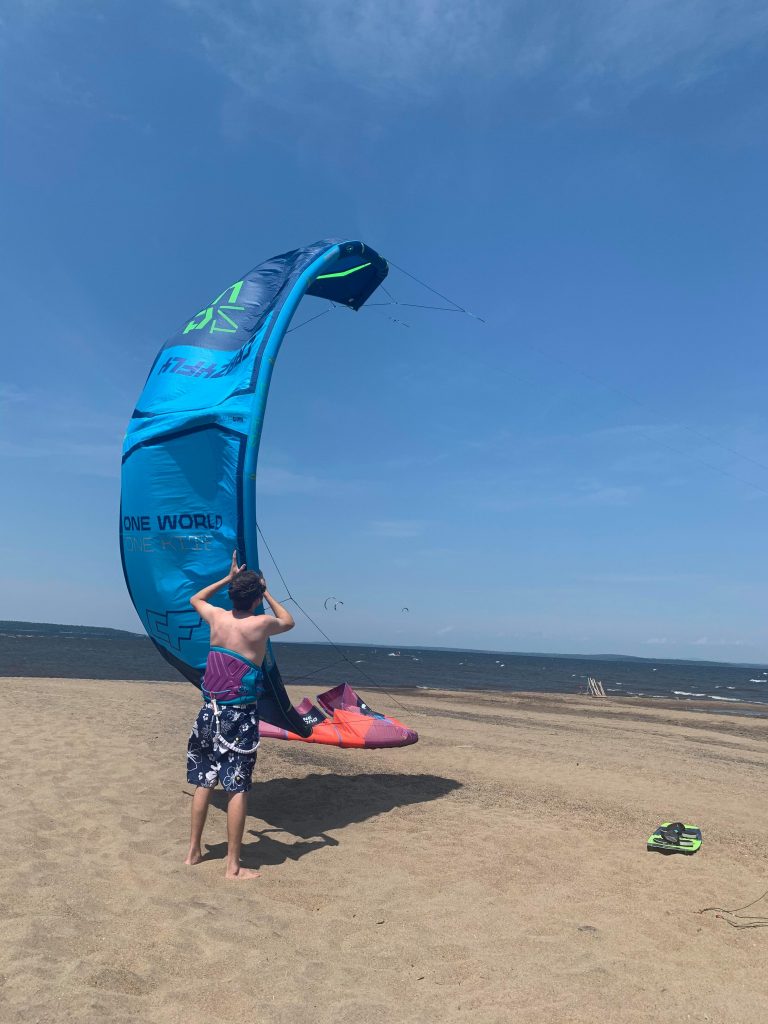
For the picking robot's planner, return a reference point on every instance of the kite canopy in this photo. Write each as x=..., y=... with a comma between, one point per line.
x=189, y=458
x=345, y=721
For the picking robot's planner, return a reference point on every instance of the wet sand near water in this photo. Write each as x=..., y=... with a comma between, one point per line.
x=494, y=872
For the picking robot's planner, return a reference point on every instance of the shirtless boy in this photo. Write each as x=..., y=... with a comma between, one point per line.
x=224, y=738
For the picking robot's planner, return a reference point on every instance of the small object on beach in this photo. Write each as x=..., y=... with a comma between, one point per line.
x=675, y=837
x=595, y=687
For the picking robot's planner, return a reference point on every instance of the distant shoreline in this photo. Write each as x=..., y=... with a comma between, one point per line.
x=53, y=651
x=50, y=629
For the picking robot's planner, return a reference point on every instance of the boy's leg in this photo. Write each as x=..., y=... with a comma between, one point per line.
x=236, y=811
x=200, y=803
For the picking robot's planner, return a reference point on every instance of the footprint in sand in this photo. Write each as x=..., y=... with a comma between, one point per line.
x=117, y=979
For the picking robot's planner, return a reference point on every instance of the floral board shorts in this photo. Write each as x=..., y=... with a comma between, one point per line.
x=209, y=761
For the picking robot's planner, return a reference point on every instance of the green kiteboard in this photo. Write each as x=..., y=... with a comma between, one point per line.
x=675, y=837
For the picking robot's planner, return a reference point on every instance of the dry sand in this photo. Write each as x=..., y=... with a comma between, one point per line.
x=495, y=872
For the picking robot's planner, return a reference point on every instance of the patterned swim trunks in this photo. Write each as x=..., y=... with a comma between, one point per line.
x=209, y=761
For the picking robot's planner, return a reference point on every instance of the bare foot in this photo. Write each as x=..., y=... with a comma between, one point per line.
x=193, y=858
x=238, y=874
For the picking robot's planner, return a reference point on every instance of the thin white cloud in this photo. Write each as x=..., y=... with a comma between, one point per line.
x=70, y=437
x=379, y=47
x=276, y=481
x=82, y=459
x=601, y=494
x=580, y=494
x=705, y=641
x=11, y=393
x=684, y=39
x=641, y=579
x=397, y=528
x=702, y=641
x=413, y=47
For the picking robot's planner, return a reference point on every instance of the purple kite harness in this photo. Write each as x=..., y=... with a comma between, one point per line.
x=230, y=679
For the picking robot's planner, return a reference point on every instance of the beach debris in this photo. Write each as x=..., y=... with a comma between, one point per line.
x=595, y=687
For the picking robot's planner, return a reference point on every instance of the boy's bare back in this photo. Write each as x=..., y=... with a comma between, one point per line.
x=244, y=635
x=240, y=630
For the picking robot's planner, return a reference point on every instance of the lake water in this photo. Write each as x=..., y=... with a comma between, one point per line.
x=43, y=649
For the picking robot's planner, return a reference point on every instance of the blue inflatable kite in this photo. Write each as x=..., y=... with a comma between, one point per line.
x=189, y=458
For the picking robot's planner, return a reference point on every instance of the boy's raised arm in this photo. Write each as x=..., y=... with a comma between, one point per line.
x=199, y=601
x=283, y=620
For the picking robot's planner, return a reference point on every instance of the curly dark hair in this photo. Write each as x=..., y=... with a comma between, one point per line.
x=245, y=588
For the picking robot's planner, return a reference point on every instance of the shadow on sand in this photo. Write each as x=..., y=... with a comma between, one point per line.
x=310, y=807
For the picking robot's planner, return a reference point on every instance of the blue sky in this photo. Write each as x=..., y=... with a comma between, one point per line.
x=585, y=472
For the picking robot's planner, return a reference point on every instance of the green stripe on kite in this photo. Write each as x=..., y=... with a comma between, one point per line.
x=344, y=273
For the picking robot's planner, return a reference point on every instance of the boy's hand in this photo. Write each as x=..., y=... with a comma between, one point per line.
x=234, y=568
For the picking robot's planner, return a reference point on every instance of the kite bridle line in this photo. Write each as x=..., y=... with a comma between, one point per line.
x=455, y=307
x=309, y=320
x=321, y=631
x=343, y=658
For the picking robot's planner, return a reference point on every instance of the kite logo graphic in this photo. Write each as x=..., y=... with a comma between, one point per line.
x=217, y=314
x=178, y=364
x=170, y=628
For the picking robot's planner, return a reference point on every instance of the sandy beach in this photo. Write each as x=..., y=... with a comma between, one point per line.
x=495, y=872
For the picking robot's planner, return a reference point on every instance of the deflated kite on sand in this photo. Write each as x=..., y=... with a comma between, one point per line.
x=344, y=721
